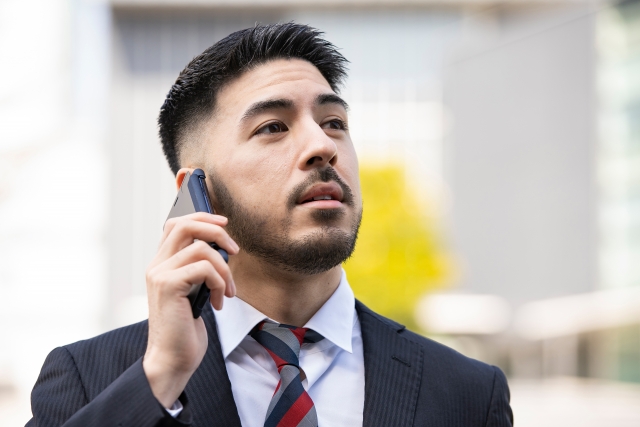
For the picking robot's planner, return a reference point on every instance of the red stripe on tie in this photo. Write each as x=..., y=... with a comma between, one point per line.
x=299, y=333
x=297, y=411
x=277, y=388
x=279, y=361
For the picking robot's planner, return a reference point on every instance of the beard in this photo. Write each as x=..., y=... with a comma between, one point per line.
x=268, y=238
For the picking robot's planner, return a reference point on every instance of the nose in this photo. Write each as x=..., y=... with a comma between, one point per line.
x=319, y=149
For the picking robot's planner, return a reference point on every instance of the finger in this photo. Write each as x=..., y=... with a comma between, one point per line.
x=198, y=251
x=185, y=232
x=179, y=281
x=197, y=216
x=212, y=280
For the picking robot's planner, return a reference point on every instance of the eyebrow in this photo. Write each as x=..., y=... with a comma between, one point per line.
x=331, y=98
x=263, y=106
x=260, y=107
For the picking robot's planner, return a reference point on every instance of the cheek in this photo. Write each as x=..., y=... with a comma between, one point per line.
x=257, y=178
x=355, y=188
x=350, y=171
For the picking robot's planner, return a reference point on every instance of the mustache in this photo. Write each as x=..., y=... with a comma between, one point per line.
x=320, y=175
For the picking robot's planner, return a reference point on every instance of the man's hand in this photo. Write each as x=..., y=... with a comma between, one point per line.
x=177, y=341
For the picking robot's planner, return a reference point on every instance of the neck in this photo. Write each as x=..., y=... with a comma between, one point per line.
x=281, y=295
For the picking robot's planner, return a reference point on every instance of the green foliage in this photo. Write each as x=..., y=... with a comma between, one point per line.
x=398, y=256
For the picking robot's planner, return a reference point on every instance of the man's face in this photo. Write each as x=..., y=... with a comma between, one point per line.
x=283, y=168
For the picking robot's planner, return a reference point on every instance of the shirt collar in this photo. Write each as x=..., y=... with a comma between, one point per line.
x=334, y=320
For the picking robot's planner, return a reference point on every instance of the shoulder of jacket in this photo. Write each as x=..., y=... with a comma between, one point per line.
x=435, y=352
x=132, y=336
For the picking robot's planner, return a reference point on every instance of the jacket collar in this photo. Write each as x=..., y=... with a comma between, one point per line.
x=392, y=369
x=209, y=389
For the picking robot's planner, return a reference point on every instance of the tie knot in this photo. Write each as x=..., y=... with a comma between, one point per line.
x=283, y=341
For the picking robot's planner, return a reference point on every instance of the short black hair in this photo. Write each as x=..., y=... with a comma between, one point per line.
x=192, y=97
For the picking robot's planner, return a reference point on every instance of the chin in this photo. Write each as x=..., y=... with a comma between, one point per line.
x=328, y=215
x=318, y=251
x=320, y=234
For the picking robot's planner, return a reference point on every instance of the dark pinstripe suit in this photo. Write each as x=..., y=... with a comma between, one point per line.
x=409, y=381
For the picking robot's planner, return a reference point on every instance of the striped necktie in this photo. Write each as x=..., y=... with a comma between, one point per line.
x=290, y=405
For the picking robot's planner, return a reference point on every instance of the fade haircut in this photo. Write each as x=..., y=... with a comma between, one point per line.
x=192, y=98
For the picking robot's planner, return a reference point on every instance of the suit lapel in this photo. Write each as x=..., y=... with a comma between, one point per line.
x=209, y=389
x=393, y=371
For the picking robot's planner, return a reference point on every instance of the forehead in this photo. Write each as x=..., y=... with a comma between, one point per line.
x=281, y=77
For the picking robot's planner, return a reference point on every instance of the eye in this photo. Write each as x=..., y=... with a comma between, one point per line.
x=335, y=124
x=271, y=128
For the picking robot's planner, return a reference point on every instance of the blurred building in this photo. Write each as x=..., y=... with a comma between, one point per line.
x=515, y=122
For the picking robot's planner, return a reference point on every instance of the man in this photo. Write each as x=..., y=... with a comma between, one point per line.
x=285, y=343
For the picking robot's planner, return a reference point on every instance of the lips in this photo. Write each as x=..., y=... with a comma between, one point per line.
x=322, y=191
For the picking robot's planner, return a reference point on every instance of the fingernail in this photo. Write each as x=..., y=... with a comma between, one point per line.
x=234, y=245
x=233, y=288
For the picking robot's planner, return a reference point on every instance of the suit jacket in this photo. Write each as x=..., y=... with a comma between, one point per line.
x=409, y=381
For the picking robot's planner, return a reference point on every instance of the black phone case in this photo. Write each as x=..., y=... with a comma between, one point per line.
x=194, y=197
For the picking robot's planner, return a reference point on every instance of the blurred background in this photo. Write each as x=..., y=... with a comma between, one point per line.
x=500, y=160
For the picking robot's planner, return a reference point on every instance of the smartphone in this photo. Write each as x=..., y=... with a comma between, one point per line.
x=194, y=197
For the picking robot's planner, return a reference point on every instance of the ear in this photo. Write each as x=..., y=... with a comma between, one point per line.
x=180, y=176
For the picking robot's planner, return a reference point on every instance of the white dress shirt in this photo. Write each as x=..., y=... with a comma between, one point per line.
x=333, y=367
